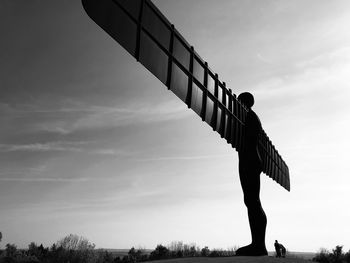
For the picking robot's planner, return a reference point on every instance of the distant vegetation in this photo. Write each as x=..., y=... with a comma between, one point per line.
x=336, y=256
x=77, y=249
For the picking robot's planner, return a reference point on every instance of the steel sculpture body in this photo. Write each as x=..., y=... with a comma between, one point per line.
x=146, y=34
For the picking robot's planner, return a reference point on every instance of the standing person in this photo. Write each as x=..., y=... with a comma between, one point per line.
x=250, y=167
x=277, y=249
x=283, y=251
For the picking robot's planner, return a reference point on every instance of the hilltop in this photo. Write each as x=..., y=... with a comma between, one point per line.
x=266, y=259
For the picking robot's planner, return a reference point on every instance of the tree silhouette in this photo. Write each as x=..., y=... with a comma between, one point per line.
x=75, y=242
x=10, y=250
x=161, y=252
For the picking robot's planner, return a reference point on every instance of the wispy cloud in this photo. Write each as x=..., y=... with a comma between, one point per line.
x=39, y=147
x=318, y=84
x=312, y=74
x=43, y=179
x=62, y=146
x=110, y=152
x=263, y=59
x=81, y=117
x=136, y=114
x=185, y=158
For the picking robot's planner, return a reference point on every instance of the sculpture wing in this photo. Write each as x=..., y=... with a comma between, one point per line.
x=146, y=34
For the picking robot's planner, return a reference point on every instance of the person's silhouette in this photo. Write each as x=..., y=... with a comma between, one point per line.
x=250, y=167
x=277, y=249
x=283, y=251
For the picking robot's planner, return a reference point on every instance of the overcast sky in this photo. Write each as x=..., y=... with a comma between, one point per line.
x=92, y=144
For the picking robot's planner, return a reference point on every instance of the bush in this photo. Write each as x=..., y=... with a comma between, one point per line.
x=75, y=242
x=214, y=253
x=10, y=250
x=73, y=249
x=77, y=249
x=347, y=257
x=134, y=255
x=322, y=256
x=205, y=252
x=13, y=255
x=336, y=256
x=38, y=252
x=161, y=252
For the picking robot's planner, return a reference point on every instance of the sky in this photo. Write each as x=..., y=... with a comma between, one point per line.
x=93, y=144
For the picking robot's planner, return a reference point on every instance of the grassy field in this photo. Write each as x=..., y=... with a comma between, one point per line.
x=266, y=259
x=293, y=257
x=304, y=255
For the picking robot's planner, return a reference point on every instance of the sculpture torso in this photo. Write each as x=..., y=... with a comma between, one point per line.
x=249, y=155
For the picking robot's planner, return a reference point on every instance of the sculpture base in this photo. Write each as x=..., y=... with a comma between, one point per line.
x=252, y=251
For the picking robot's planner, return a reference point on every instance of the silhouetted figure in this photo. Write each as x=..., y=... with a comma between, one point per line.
x=283, y=251
x=250, y=167
x=277, y=249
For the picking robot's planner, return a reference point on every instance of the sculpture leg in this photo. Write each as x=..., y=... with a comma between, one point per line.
x=250, y=181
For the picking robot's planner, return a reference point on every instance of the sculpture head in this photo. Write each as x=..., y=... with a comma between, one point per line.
x=247, y=99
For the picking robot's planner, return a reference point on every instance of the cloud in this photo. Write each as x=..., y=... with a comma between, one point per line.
x=136, y=114
x=305, y=113
x=78, y=116
x=44, y=179
x=39, y=147
x=62, y=146
x=111, y=152
x=185, y=158
x=333, y=59
x=319, y=86
x=263, y=59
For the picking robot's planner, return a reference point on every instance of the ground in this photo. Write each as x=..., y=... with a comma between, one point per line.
x=265, y=259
